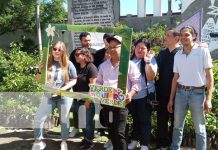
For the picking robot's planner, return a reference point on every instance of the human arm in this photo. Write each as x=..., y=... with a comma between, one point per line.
x=129, y=96
x=99, y=79
x=172, y=93
x=134, y=82
x=151, y=69
x=92, y=76
x=91, y=81
x=72, y=77
x=210, y=84
x=39, y=71
x=69, y=84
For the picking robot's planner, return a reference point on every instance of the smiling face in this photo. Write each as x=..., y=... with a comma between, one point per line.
x=140, y=50
x=187, y=37
x=114, y=49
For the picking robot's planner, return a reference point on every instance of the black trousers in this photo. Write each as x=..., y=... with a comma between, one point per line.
x=164, y=131
x=75, y=114
x=141, y=114
x=116, y=119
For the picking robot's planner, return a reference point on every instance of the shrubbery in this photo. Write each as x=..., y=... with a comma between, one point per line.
x=18, y=97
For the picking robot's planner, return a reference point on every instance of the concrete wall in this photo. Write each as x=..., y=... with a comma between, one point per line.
x=6, y=39
x=141, y=24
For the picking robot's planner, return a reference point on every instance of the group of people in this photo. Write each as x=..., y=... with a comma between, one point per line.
x=184, y=72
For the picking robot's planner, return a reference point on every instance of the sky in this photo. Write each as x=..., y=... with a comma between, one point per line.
x=130, y=6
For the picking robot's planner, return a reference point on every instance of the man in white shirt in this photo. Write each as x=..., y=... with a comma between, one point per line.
x=192, y=73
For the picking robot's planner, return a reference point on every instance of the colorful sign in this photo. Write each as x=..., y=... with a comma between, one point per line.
x=107, y=95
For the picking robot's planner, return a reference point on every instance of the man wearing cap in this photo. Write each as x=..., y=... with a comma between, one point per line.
x=116, y=118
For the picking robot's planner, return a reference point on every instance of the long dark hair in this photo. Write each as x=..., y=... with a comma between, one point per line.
x=148, y=45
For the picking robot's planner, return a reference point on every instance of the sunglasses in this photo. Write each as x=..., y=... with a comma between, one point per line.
x=56, y=49
x=77, y=54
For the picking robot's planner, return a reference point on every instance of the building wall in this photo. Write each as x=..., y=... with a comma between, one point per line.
x=142, y=23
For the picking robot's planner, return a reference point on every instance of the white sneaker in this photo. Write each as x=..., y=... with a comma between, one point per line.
x=64, y=146
x=107, y=144
x=38, y=145
x=133, y=144
x=73, y=132
x=144, y=147
x=110, y=147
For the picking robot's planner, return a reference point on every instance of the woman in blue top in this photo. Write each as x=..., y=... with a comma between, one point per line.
x=139, y=108
x=62, y=74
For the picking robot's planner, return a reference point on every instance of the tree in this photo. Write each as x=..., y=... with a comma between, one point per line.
x=17, y=14
x=20, y=14
x=53, y=11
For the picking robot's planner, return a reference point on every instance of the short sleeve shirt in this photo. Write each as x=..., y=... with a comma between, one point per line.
x=84, y=74
x=57, y=74
x=191, y=67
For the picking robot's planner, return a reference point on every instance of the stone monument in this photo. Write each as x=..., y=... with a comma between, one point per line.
x=92, y=12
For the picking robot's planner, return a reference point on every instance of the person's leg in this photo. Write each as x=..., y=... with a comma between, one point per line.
x=64, y=105
x=75, y=115
x=74, y=109
x=180, y=110
x=145, y=123
x=198, y=116
x=119, y=126
x=162, y=122
x=132, y=107
x=41, y=115
x=170, y=129
x=89, y=129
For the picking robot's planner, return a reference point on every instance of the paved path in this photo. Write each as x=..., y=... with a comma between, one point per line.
x=23, y=139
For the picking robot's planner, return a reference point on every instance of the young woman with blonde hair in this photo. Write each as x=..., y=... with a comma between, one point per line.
x=62, y=74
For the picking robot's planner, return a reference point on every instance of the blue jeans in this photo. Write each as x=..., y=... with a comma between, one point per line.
x=45, y=108
x=193, y=100
x=85, y=118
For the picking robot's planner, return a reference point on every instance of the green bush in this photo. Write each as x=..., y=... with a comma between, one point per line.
x=155, y=35
x=18, y=98
x=17, y=70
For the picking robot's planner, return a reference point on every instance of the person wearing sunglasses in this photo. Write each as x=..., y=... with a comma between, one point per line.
x=87, y=73
x=61, y=74
x=85, y=40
